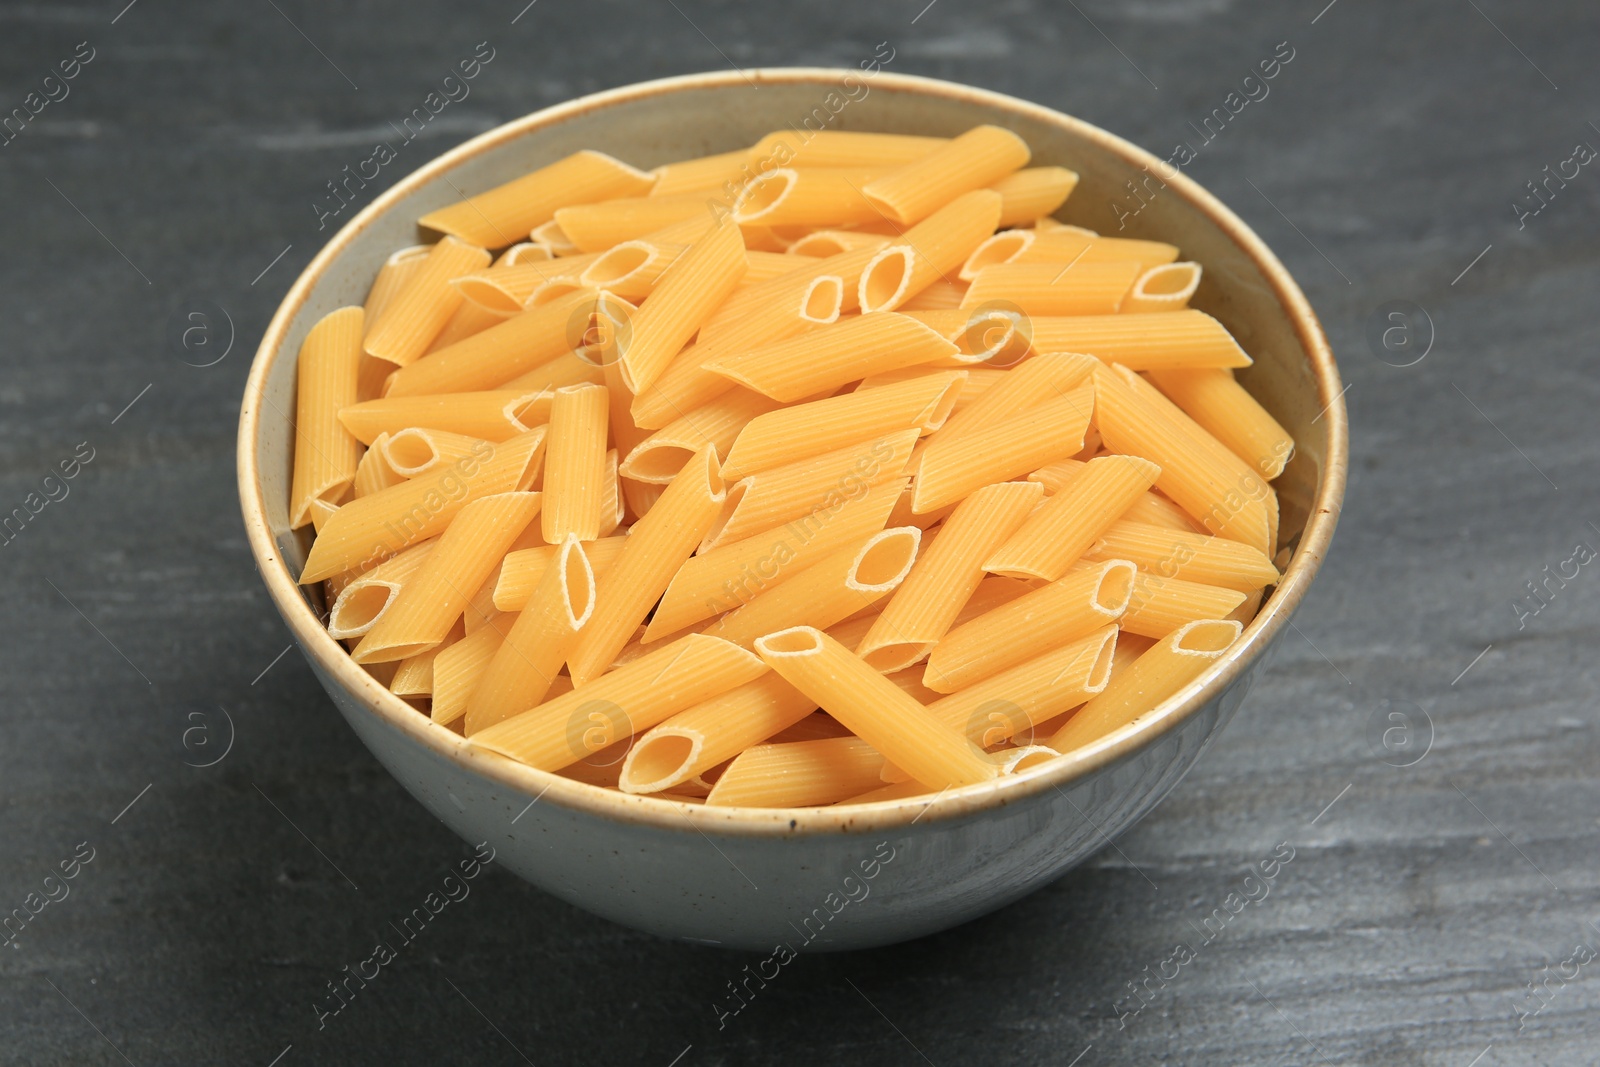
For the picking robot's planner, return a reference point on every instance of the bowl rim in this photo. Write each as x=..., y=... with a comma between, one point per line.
x=394, y=713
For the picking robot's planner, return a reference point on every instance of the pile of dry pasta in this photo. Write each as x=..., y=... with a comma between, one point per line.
x=827, y=471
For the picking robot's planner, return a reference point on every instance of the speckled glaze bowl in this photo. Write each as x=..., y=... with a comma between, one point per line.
x=812, y=878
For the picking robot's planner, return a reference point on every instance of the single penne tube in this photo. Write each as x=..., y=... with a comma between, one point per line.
x=1048, y=289
x=659, y=457
x=487, y=360
x=413, y=676
x=469, y=319
x=846, y=266
x=798, y=774
x=415, y=450
x=1159, y=605
x=996, y=334
x=370, y=529
x=1164, y=288
x=458, y=667
x=522, y=570
x=392, y=277
x=320, y=511
x=326, y=453
x=697, y=739
x=575, y=464
x=940, y=295
x=701, y=175
x=946, y=575
x=1198, y=473
x=1072, y=520
x=1193, y=557
x=1008, y=706
x=573, y=368
x=979, y=381
x=765, y=266
x=929, y=251
x=823, y=243
x=1223, y=408
x=507, y=288
x=874, y=708
x=827, y=592
x=949, y=470
x=373, y=472
x=363, y=600
x=981, y=156
x=1147, y=682
x=806, y=196
x=1071, y=245
x=1159, y=341
x=599, y=226
x=1042, y=378
x=769, y=498
x=655, y=550
x=1034, y=623
x=497, y=415
x=724, y=578
x=825, y=358
x=630, y=269
x=1151, y=507
x=623, y=702
x=1033, y=191
x=530, y=657
x=613, y=508
x=507, y=213
x=1003, y=247
x=789, y=435
x=678, y=306
x=433, y=599
x=839, y=148
x=686, y=384
x=414, y=316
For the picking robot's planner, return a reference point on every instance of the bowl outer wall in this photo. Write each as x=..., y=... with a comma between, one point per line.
x=744, y=876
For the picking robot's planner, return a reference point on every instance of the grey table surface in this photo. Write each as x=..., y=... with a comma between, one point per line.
x=1385, y=165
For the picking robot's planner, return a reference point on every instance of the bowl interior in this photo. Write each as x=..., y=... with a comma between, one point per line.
x=646, y=125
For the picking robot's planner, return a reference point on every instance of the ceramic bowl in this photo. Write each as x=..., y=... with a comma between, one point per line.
x=814, y=878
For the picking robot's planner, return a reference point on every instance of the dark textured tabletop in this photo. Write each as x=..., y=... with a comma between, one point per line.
x=1423, y=744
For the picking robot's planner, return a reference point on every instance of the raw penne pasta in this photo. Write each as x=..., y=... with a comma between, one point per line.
x=498, y=415
x=469, y=319
x=550, y=237
x=495, y=356
x=769, y=498
x=834, y=242
x=509, y=288
x=363, y=600
x=507, y=213
x=846, y=266
x=1072, y=245
x=1147, y=682
x=1009, y=705
x=940, y=295
x=573, y=368
x=1159, y=341
x=522, y=570
x=575, y=464
x=685, y=296
x=1164, y=288
x=392, y=277
x=433, y=599
x=704, y=174
x=1031, y=625
x=623, y=702
x=1042, y=378
x=1225, y=410
x=413, y=676
x=949, y=470
x=415, y=450
x=995, y=335
x=595, y=227
x=1159, y=604
x=946, y=575
x=370, y=529
x=373, y=472
x=806, y=196
x=1034, y=191
x=631, y=269
x=413, y=317
x=929, y=251
x=1150, y=508
x=981, y=156
x=530, y=657
x=791, y=434
x=1193, y=557
x=798, y=774
x=697, y=739
x=1046, y=289
x=457, y=668
x=979, y=381
x=1073, y=519
x=827, y=592
x=724, y=578
x=874, y=708
x=655, y=550
x=659, y=457
x=830, y=356
x=326, y=453
x=840, y=148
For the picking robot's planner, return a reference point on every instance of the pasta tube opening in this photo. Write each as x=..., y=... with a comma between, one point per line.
x=360, y=605
x=884, y=282
x=1164, y=288
x=823, y=299
x=620, y=263
x=1207, y=638
x=661, y=760
x=792, y=643
x=764, y=195
x=884, y=560
x=1003, y=247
